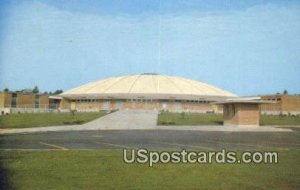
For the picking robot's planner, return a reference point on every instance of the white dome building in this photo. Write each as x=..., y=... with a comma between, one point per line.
x=144, y=91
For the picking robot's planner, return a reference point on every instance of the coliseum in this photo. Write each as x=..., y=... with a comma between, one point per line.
x=147, y=91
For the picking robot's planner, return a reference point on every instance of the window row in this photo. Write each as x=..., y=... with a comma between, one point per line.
x=140, y=100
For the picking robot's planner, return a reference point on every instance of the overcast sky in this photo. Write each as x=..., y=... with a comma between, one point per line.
x=246, y=47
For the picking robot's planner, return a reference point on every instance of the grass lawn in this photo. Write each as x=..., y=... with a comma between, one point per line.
x=279, y=120
x=106, y=170
x=46, y=119
x=168, y=118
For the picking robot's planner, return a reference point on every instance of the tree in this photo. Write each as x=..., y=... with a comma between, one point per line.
x=58, y=91
x=285, y=92
x=36, y=90
x=6, y=90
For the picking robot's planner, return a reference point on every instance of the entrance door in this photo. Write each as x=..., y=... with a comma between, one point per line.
x=164, y=105
x=73, y=105
x=106, y=105
x=178, y=106
x=119, y=104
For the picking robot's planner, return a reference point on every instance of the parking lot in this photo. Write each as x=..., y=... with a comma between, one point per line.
x=152, y=139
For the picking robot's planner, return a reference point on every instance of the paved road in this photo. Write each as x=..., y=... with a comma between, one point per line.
x=152, y=139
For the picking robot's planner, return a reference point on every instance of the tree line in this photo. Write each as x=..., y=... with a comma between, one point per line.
x=34, y=90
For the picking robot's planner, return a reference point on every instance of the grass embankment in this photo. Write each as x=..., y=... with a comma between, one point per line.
x=168, y=118
x=46, y=119
x=106, y=170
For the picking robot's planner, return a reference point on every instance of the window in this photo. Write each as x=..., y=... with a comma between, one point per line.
x=14, y=100
x=233, y=110
x=37, y=101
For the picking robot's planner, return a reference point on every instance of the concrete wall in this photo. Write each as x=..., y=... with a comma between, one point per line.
x=241, y=114
x=5, y=111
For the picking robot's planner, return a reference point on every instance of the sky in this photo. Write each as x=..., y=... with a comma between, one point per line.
x=246, y=47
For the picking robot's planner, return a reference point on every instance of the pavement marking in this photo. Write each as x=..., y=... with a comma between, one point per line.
x=97, y=136
x=111, y=144
x=176, y=144
x=55, y=146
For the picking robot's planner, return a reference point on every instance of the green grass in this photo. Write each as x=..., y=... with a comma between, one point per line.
x=46, y=119
x=279, y=120
x=168, y=118
x=106, y=170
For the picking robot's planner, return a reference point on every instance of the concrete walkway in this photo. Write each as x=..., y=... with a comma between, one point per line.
x=130, y=119
x=120, y=120
x=135, y=120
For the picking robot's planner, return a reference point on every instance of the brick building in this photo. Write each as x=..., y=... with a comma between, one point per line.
x=11, y=102
x=243, y=112
x=285, y=104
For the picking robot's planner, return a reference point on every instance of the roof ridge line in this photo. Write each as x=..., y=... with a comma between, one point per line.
x=122, y=78
x=216, y=89
x=96, y=83
x=211, y=87
x=167, y=77
x=193, y=85
x=156, y=89
x=138, y=76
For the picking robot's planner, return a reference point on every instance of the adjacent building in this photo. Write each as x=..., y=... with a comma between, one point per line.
x=18, y=102
x=242, y=111
x=285, y=104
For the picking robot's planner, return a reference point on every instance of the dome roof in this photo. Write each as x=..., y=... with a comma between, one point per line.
x=147, y=84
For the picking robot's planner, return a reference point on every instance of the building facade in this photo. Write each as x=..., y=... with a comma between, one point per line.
x=285, y=104
x=140, y=103
x=11, y=102
x=241, y=113
x=145, y=91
